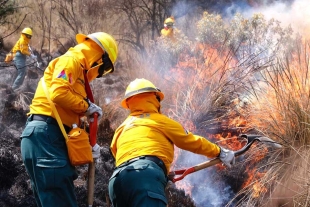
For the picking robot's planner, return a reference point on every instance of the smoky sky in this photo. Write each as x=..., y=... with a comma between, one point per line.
x=223, y=7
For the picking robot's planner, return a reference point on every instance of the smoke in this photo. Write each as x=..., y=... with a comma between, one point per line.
x=295, y=14
x=206, y=187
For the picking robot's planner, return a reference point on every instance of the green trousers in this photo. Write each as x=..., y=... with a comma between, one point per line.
x=138, y=184
x=44, y=154
x=20, y=63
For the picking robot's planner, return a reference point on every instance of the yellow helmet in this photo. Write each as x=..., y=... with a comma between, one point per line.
x=27, y=31
x=104, y=40
x=169, y=21
x=140, y=86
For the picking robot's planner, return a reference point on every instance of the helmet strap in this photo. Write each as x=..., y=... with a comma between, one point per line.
x=106, y=66
x=157, y=97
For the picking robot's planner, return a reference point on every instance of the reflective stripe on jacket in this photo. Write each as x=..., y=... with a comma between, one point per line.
x=147, y=132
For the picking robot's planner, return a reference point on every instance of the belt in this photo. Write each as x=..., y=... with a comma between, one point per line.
x=155, y=159
x=47, y=119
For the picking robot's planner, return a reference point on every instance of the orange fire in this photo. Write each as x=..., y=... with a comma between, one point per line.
x=258, y=189
x=254, y=183
x=234, y=143
x=194, y=78
x=229, y=141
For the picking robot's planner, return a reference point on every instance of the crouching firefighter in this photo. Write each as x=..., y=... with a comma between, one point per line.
x=143, y=147
x=43, y=146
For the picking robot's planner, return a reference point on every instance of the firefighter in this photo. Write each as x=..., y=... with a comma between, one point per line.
x=143, y=147
x=20, y=52
x=43, y=146
x=167, y=31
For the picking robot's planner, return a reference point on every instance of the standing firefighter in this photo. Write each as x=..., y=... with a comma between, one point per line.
x=43, y=145
x=20, y=52
x=167, y=31
x=143, y=146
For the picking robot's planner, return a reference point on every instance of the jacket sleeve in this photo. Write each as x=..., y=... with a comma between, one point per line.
x=64, y=90
x=23, y=47
x=188, y=141
x=113, y=146
x=117, y=134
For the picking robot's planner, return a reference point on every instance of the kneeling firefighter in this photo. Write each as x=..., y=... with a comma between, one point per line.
x=143, y=147
x=43, y=146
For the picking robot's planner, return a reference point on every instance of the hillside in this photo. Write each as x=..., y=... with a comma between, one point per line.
x=239, y=67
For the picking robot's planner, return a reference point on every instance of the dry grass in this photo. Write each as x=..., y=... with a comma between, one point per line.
x=229, y=71
x=280, y=109
x=284, y=101
x=266, y=83
x=292, y=186
x=23, y=100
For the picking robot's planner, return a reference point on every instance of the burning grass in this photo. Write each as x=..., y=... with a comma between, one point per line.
x=280, y=109
x=241, y=77
x=248, y=76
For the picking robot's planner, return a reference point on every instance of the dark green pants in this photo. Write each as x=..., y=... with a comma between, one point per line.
x=138, y=184
x=44, y=154
x=20, y=63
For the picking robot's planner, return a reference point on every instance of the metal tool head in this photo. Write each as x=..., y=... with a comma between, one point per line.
x=254, y=137
x=251, y=138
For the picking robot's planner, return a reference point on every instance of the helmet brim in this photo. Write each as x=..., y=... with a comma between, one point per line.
x=80, y=38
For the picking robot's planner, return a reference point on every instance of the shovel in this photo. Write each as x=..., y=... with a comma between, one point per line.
x=250, y=140
x=91, y=166
x=92, y=139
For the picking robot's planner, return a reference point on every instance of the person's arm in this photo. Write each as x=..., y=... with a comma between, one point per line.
x=188, y=141
x=67, y=71
x=197, y=144
x=118, y=132
x=113, y=145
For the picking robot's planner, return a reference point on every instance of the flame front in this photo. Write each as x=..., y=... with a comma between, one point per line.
x=232, y=80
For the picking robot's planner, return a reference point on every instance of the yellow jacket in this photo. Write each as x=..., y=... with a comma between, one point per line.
x=167, y=32
x=65, y=81
x=148, y=132
x=22, y=45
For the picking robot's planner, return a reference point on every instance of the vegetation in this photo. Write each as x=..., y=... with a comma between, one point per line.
x=221, y=77
x=7, y=7
x=238, y=73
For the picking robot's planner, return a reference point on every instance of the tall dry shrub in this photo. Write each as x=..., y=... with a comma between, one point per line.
x=217, y=77
x=280, y=110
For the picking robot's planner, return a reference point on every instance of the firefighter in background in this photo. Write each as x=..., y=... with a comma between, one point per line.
x=168, y=30
x=143, y=147
x=20, y=52
x=43, y=146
